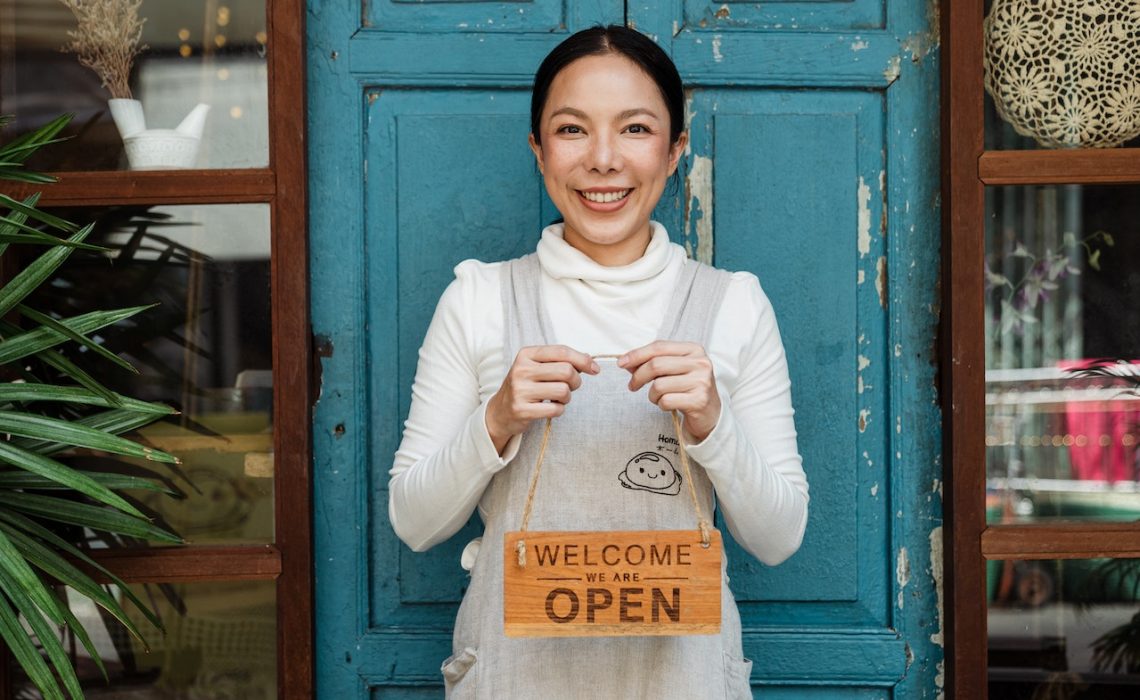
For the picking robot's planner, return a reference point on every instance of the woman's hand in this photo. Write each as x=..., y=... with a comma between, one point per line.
x=683, y=380
x=538, y=385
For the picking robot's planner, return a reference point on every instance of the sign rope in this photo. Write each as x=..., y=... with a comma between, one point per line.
x=702, y=523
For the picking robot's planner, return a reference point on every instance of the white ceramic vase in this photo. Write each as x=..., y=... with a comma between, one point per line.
x=154, y=149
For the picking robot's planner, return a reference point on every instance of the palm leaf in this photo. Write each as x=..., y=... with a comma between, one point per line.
x=38, y=531
x=33, y=341
x=48, y=322
x=19, y=148
x=30, y=425
x=97, y=517
x=120, y=482
x=115, y=421
x=26, y=653
x=66, y=476
x=28, y=393
x=52, y=564
x=26, y=281
x=38, y=215
x=33, y=614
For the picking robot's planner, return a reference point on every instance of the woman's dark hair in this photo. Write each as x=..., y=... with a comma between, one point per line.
x=619, y=40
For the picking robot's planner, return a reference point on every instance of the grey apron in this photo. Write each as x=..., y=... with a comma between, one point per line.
x=611, y=464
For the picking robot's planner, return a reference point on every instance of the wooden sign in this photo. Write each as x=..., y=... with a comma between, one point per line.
x=605, y=584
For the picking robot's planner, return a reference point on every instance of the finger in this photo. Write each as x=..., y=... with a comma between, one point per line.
x=561, y=353
x=663, y=386
x=662, y=366
x=537, y=392
x=638, y=356
x=554, y=372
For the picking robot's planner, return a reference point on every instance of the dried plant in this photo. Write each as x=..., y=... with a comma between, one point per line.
x=107, y=39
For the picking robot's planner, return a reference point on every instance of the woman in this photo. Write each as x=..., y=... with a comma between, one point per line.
x=512, y=343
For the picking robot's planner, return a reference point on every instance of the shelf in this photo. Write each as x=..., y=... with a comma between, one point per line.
x=151, y=187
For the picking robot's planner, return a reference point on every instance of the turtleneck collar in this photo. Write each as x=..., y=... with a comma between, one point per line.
x=560, y=260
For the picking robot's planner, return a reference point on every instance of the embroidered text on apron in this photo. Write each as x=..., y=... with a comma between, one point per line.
x=611, y=464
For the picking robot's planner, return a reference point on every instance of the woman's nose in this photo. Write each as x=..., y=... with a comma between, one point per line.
x=604, y=154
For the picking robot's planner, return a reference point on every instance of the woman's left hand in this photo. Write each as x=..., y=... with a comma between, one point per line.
x=683, y=380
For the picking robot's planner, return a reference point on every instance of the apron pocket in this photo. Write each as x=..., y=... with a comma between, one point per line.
x=457, y=673
x=737, y=672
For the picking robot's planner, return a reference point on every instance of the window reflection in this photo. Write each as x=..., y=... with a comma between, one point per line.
x=220, y=644
x=1064, y=629
x=205, y=349
x=1062, y=328
x=198, y=52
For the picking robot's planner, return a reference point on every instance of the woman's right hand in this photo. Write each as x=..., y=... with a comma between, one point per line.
x=538, y=385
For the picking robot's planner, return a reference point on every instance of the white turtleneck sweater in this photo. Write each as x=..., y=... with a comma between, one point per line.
x=447, y=459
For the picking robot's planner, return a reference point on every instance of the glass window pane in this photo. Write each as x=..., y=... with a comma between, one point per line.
x=1064, y=629
x=208, y=52
x=220, y=642
x=1063, y=297
x=1060, y=75
x=205, y=349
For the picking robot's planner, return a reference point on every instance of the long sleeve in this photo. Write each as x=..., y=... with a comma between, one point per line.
x=446, y=458
x=751, y=455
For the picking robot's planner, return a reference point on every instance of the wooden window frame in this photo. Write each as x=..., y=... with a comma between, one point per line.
x=967, y=168
x=282, y=185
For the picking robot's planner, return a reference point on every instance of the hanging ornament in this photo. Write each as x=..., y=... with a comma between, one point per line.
x=1066, y=72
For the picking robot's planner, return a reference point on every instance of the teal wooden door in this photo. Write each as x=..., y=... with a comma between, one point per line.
x=813, y=164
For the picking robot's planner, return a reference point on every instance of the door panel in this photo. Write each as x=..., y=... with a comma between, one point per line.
x=813, y=164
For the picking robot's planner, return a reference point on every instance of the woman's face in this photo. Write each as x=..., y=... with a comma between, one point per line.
x=605, y=154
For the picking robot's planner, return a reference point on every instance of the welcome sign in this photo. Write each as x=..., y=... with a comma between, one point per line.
x=604, y=584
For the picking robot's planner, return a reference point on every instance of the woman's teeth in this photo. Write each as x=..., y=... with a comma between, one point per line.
x=605, y=197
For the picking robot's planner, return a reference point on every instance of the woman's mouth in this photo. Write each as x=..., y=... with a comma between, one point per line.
x=604, y=201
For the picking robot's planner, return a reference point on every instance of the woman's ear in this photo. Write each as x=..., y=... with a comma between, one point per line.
x=537, y=148
x=676, y=150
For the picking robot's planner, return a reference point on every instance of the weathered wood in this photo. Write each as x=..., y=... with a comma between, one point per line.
x=963, y=348
x=1069, y=540
x=152, y=187
x=1075, y=166
x=190, y=563
x=606, y=584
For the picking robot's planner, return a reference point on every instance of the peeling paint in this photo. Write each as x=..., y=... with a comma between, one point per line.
x=864, y=193
x=922, y=43
x=864, y=419
x=891, y=73
x=881, y=280
x=859, y=384
x=861, y=45
x=898, y=350
x=723, y=12
x=700, y=195
x=875, y=489
x=861, y=277
x=717, y=55
x=689, y=114
x=936, y=574
x=902, y=573
x=864, y=362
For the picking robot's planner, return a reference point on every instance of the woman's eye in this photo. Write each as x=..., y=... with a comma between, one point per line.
x=637, y=129
x=569, y=129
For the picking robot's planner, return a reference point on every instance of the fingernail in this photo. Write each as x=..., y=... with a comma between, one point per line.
x=594, y=367
x=622, y=360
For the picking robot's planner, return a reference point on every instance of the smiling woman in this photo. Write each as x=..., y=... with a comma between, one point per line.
x=610, y=312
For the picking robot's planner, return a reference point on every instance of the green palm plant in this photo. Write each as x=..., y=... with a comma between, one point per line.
x=49, y=406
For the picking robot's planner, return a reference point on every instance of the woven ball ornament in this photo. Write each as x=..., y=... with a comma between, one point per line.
x=1066, y=72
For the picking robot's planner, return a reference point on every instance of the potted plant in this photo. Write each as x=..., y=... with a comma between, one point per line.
x=107, y=38
x=49, y=407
